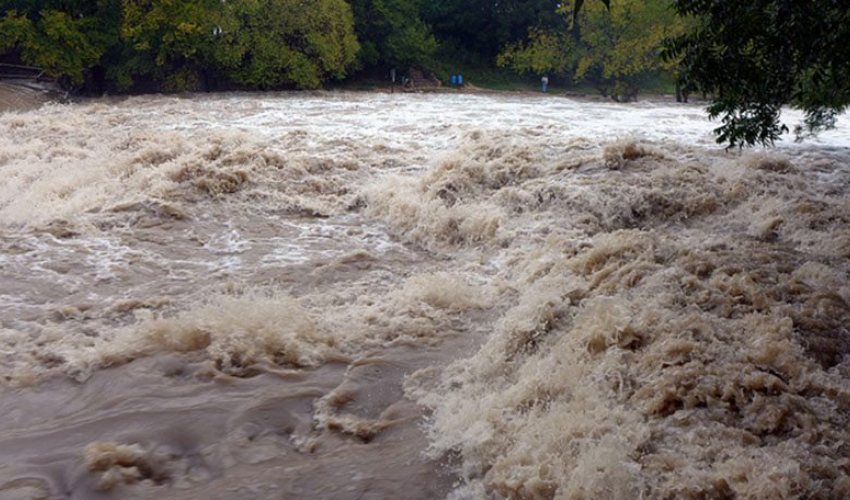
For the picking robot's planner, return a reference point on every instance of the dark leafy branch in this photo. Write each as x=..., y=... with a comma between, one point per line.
x=755, y=57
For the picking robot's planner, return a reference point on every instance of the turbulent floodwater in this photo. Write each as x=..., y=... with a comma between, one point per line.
x=16, y=97
x=355, y=296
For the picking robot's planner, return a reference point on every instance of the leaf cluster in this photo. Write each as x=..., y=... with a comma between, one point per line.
x=184, y=44
x=64, y=41
x=615, y=44
x=755, y=57
x=392, y=33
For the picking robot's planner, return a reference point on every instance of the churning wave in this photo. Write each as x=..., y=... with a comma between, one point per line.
x=603, y=315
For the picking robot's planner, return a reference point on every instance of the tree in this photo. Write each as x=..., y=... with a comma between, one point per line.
x=291, y=42
x=547, y=51
x=64, y=38
x=579, y=3
x=186, y=44
x=478, y=30
x=169, y=41
x=615, y=49
x=392, y=33
x=757, y=56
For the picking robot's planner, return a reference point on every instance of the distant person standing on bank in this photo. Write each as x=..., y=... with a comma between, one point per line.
x=545, y=82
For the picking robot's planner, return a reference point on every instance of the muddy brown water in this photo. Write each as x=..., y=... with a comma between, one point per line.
x=368, y=296
x=18, y=97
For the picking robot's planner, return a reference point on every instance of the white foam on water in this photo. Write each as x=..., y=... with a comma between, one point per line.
x=638, y=313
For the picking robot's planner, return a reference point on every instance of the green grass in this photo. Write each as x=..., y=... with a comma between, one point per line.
x=497, y=79
x=490, y=78
x=506, y=79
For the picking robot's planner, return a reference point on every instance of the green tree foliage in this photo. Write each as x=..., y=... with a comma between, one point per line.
x=167, y=41
x=547, y=51
x=756, y=56
x=183, y=44
x=17, y=29
x=290, y=42
x=392, y=33
x=190, y=44
x=64, y=38
x=478, y=29
x=580, y=3
x=258, y=43
x=616, y=49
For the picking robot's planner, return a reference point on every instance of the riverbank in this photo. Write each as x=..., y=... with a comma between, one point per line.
x=22, y=97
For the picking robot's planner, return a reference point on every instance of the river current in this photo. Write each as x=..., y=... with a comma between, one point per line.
x=381, y=296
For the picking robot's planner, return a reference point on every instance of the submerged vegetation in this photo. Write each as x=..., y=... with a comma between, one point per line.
x=749, y=58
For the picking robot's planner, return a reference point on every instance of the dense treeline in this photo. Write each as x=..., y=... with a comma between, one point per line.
x=615, y=47
x=751, y=58
x=176, y=45
x=182, y=44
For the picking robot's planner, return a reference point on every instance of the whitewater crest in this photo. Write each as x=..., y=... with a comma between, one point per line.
x=256, y=296
x=675, y=328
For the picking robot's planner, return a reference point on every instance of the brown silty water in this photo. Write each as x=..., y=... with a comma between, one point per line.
x=382, y=296
x=20, y=96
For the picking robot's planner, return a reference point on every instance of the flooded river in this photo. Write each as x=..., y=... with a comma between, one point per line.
x=377, y=296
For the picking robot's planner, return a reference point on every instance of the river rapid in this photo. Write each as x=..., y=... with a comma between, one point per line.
x=381, y=296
